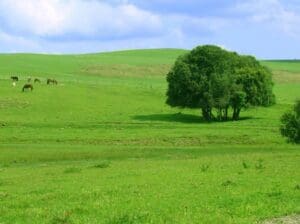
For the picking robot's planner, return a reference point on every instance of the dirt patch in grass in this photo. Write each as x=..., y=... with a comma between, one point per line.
x=12, y=103
x=286, y=77
x=127, y=70
x=293, y=219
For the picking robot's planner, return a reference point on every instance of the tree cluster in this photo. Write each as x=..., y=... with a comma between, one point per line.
x=290, y=124
x=218, y=82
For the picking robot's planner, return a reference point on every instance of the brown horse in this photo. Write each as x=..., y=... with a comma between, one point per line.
x=27, y=86
x=14, y=78
x=37, y=80
x=51, y=81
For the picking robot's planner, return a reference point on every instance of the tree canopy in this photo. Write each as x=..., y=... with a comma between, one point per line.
x=218, y=81
x=290, y=124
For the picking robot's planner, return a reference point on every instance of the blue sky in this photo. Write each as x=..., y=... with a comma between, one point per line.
x=264, y=28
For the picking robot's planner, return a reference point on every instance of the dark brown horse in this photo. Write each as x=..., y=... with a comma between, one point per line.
x=51, y=81
x=27, y=86
x=14, y=78
x=37, y=80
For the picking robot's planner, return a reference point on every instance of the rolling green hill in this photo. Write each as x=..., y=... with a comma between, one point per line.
x=103, y=63
x=103, y=147
x=284, y=65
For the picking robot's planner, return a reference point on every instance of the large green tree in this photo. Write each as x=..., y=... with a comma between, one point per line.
x=213, y=79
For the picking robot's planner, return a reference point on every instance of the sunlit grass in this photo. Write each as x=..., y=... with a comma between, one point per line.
x=103, y=147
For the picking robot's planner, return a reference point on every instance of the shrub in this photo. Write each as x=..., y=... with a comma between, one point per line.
x=290, y=124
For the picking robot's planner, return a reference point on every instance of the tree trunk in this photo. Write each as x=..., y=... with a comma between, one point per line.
x=225, y=114
x=220, y=114
x=207, y=114
x=236, y=114
x=211, y=116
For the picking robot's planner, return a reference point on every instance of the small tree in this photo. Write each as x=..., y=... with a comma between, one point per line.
x=211, y=78
x=290, y=124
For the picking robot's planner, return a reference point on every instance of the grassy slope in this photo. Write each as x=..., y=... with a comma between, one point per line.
x=102, y=147
x=284, y=65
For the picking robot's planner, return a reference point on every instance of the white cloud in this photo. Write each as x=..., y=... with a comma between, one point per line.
x=262, y=27
x=56, y=23
x=76, y=17
x=197, y=25
x=272, y=12
x=11, y=43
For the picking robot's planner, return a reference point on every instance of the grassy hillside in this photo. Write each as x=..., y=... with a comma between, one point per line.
x=284, y=65
x=102, y=146
x=284, y=71
x=64, y=66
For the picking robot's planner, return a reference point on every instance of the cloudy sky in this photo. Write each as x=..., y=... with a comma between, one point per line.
x=264, y=28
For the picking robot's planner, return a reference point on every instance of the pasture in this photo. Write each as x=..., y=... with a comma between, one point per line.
x=103, y=147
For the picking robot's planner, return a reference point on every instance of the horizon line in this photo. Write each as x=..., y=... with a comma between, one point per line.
x=126, y=50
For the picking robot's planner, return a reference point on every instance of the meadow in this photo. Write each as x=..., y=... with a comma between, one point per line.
x=103, y=147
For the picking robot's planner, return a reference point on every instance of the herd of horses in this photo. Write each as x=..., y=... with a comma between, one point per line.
x=28, y=85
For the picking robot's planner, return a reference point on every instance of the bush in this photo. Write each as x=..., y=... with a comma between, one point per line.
x=290, y=124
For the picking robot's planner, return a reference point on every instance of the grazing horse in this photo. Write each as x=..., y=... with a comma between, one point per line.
x=51, y=81
x=27, y=86
x=14, y=78
x=37, y=80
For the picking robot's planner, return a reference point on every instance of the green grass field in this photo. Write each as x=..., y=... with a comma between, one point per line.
x=103, y=147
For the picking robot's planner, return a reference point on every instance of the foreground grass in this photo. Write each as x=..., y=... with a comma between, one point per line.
x=199, y=185
x=102, y=147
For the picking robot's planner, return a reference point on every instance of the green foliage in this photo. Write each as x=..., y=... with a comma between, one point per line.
x=65, y=218
x=102, y=165
x=257, y=83
x=290, y=124
x=210, y=78
x=204, y=167
x=237, y=101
